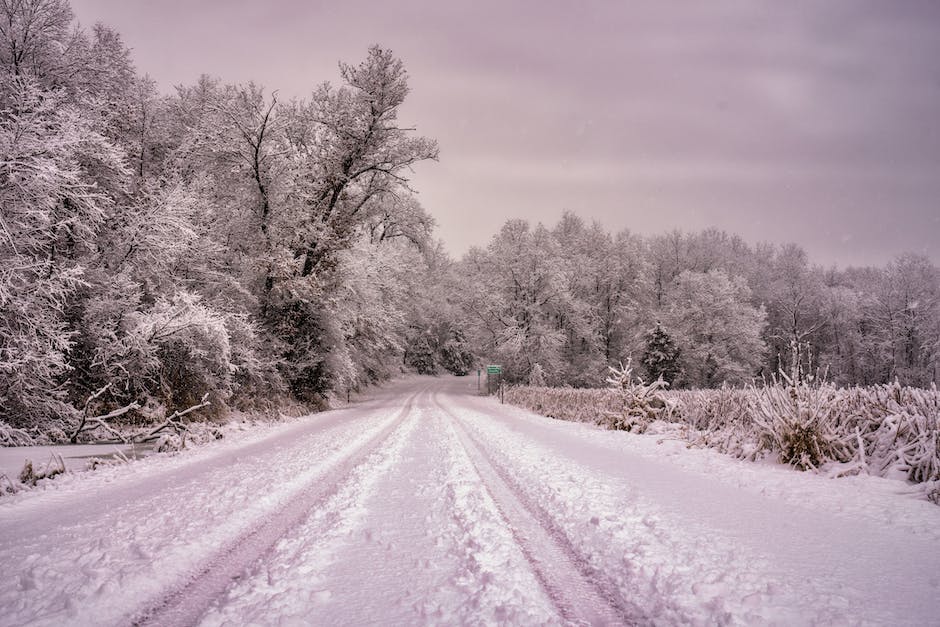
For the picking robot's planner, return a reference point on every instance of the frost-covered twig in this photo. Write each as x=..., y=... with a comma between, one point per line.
x=10, y=436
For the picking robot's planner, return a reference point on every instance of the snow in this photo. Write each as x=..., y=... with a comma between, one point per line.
x=409, y=539
x=427, y=504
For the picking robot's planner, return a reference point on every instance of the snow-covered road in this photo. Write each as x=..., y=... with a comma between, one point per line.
x=429, y=505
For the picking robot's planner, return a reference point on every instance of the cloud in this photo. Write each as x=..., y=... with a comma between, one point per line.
x=694, y=113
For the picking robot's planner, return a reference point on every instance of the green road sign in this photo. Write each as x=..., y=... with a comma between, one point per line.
x=494, y=370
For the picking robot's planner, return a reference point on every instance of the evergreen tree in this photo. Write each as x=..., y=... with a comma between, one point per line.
x=455, y=354
x=661, y=357
x=420, y=354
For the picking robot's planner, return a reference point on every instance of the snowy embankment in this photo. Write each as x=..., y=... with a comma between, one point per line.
x=430, y=505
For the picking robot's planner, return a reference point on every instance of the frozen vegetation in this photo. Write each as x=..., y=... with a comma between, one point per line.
x=887, y=431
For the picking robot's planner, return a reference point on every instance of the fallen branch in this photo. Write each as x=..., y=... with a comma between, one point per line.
x=91, y=423
x=173, y=422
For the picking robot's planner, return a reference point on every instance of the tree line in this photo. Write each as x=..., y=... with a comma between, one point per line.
x=221, y=240
x=699, y=309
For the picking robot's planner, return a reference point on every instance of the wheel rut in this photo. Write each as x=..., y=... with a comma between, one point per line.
x=186, y=603
x=580, y=593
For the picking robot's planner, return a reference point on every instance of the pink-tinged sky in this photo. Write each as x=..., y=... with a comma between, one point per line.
x=814, y=122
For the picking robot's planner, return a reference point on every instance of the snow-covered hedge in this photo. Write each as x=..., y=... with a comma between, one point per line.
x=886, y=430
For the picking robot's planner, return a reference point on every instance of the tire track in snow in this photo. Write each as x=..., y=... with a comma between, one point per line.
x=677, y=570
x=186, y=604
x=160, y=520
x=579, y=593
x=411, y=539
x=498, y=585
x=288, y=585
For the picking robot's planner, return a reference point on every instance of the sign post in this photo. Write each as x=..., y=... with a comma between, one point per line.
x=494, y=380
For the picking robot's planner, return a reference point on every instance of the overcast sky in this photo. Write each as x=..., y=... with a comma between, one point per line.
x=814, y=122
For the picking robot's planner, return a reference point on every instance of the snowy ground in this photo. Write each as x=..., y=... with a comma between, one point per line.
x=428, y=505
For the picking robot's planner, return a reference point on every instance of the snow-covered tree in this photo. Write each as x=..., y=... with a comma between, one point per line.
x=35, y=39
x=794, y=313
x=52, y=210
x=349, y=157
x=716, y=329
x=903, y=310
x=353, y=155
x=537, y=376
x=841, y=338
x=661, y=357
x=515, y=299
x=605, y=279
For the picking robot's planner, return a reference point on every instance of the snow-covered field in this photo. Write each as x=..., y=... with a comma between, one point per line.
x=426, y=504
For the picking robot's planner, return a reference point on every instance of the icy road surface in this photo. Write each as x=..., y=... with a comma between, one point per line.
x=428, y=505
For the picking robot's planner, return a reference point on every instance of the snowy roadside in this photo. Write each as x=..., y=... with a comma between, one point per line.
x=888, y=431
x=894, y=502
x=112, y=460
x=698, y=537
x=118, y=540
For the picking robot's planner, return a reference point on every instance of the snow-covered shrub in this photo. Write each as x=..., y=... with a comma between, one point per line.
x=933, y=492
x=537, y=376
x=907, y=438
x=722, y=419
x=7, y=486
x=177, y=351
x=572, y=404
x=797, y=422
x=10, y=436
x=29, y=476
x=255, y=380
x=640, y=403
